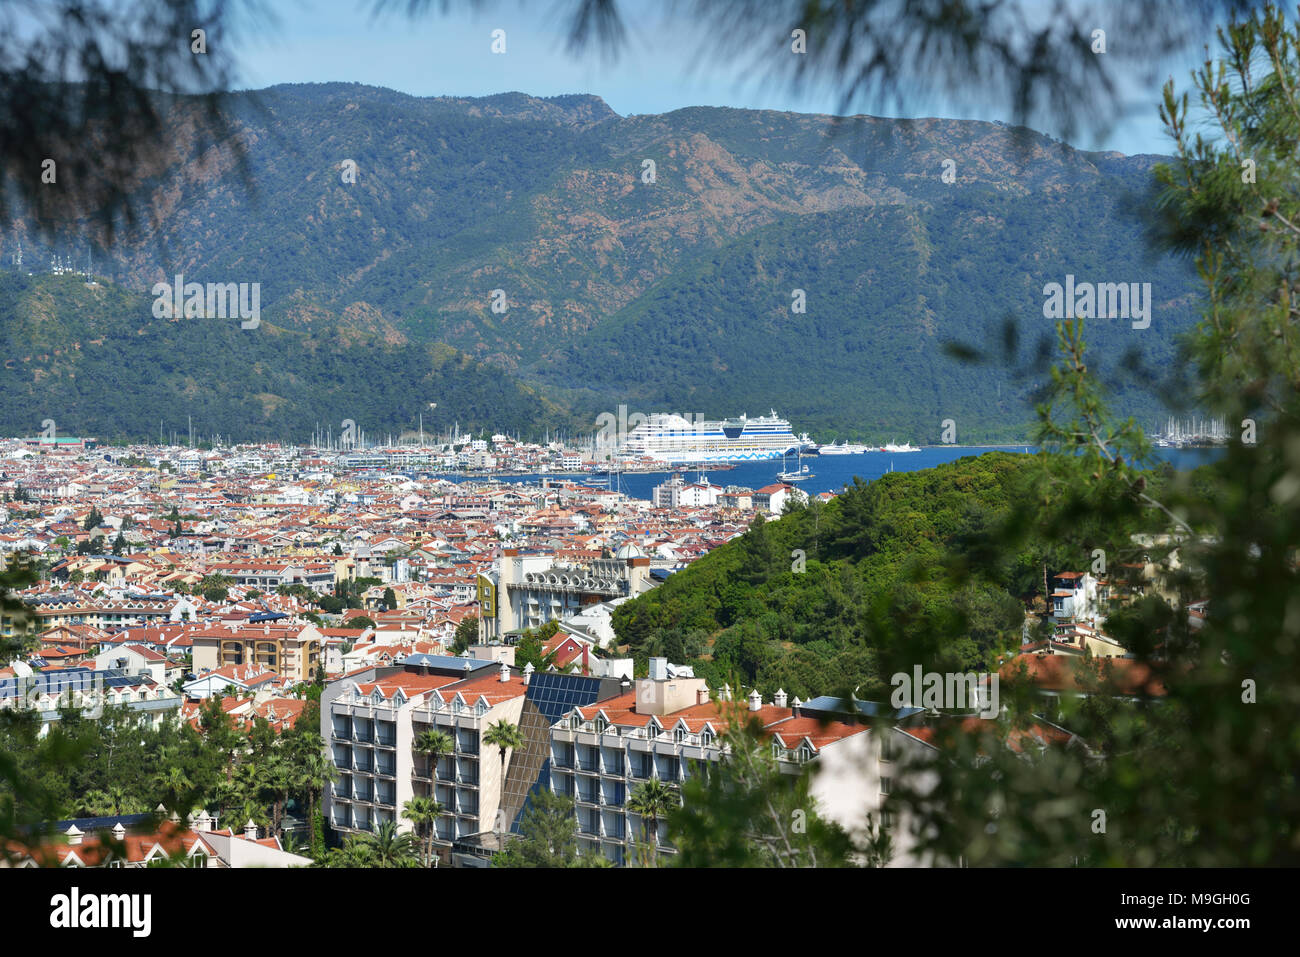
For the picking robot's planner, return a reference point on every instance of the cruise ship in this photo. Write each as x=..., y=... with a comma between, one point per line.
x=676, y=440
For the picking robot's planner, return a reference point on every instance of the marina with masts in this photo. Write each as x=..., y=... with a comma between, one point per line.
x=1193, y=432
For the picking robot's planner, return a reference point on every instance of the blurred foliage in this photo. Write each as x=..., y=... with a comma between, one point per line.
x=771, y=816
x=548, y=836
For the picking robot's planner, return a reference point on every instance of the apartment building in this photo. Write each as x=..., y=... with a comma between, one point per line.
x=657, y=728
x=291, y=651
x=89, y=691
x=676, y=493
x=1074, y=598
x=772, y=498
x=53, y=611
x=373, y=719
x=319, y=575
x=527, y=591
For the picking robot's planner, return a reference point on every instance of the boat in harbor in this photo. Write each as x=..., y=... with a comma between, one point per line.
x=676, y=440
x=797, y=474
x=905, y=447
x=844, y=448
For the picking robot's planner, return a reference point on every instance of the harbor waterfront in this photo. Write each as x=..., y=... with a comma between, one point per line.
x=831, y=474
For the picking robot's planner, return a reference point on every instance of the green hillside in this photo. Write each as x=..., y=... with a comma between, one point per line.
x=672, y=294
x=96, y=361
x=933, y=567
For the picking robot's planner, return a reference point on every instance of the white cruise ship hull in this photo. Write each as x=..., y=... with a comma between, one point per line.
x=675, y=440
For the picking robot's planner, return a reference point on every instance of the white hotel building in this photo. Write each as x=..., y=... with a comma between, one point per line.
x=370, y=722
x=600, y=752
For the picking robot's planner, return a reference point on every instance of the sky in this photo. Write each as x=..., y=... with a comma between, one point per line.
x=448, y=53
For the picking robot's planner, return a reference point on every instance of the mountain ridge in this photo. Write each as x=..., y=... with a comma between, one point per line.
x=547, y=199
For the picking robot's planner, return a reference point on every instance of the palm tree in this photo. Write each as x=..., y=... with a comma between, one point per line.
x=433, y=743
x=277, y=778
x=174, y=783
x=95, y=803
x=357, y=851
x=423, y=813
x=116, y=795
x=311, y=774
x=505, y=736
x=390, y=847
x=651, y=799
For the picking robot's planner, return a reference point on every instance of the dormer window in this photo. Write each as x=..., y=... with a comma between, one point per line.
x=805, y=753
x=679, y=735
x=601, y=725
x=575, y=721
x=706, y=737
x=652, y=730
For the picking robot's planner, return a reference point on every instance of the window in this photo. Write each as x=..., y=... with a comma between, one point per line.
x=887, y=747
x=887, y=820
x=679, y=735
x=886, y=785
x=652, y=730
x=706, y=737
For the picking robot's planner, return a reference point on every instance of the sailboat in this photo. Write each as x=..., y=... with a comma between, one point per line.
x=797, y=474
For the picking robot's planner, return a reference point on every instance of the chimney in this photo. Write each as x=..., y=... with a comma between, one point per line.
x=779, y=699
x=702, y=695
x=528, y=673
x=250, y=830
x=726, y=693
x=797, y=705
x=74, y=835
x=505, y=672
x=755, y=700
x=119, y=832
